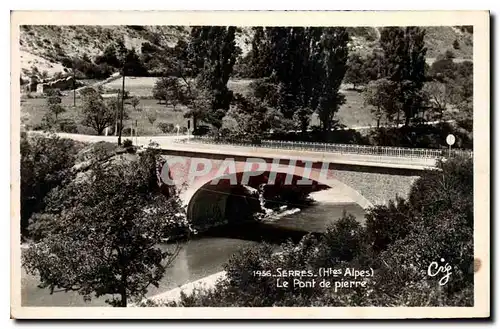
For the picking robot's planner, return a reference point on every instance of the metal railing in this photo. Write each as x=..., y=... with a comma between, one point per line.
x=389, y=151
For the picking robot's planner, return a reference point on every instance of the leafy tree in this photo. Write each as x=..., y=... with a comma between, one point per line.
x=260, y=54
x=54, y=103
x=212, y=53
x=170, y=90
x=457, y=80
x=297, y=74
x=135, y=102
x=114, y=105
x=107, y=229
x=443, y=70
x=131, y=63
x=287, y=53
x=96, y=113
x=152, y=116
x=45, y=164
x=456, y=44
x=329, y=57
x=204, y=63
x=379, y=95
x=248, y=120
x=109, y=57
x=404, y=63
x=438, y=94
x=44, y=75
x=356, y=71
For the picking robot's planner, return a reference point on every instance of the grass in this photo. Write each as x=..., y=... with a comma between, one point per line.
x=34, y=109
x=352, y=113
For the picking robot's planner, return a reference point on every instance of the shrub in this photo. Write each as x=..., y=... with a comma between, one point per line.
x=68, y=126
x=127, y=143
x=127, y=131
x=385, y=224
x=166, y=127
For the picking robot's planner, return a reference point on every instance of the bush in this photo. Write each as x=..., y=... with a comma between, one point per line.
x=127, y=131
x=201, y=130
x=67, y=126
x=166, y=127
x=127, y=143
x=421, y=136
x=386, y=224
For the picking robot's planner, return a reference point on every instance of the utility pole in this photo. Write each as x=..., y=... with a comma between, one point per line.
x=121, y=109
x=74, y=88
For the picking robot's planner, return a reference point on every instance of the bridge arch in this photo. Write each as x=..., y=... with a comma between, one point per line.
x=191, y=196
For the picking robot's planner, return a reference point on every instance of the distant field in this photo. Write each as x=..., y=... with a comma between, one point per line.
x=143, y=86
x=353, y=113
x=136, y=86
x=33, y=110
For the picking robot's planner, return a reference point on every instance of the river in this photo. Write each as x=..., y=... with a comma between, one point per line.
x=205, y=255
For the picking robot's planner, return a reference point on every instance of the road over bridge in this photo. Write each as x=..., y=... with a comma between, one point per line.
x=207, y=174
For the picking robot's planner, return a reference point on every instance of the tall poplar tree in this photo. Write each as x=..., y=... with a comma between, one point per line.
x=211, y=54
x=404, y=63
x=329, y=56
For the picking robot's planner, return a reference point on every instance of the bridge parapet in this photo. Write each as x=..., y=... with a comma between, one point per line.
x=389, y=151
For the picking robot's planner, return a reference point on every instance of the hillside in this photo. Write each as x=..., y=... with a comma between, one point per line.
x=45, y=45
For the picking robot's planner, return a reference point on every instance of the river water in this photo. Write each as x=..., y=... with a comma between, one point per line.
x=206, y=255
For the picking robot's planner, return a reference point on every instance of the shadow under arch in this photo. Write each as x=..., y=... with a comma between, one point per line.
x=203, y=186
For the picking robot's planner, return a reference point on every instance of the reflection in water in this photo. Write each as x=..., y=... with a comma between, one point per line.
x=206, y=255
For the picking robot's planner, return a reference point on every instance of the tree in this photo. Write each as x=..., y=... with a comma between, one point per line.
x=45, y=164
x=132, y=64
x=399, y=241
x=248, y=119
x=438, y=95
x=152, y=116
x=356, y=71
x=96, y=114
x=329, y=58
x=57, y=109
x=170, y=90
x=135, y=102
x=404, y=63
x=109, y=57
x=456, y=44
x=107, y=229
x=259, y=54
x=295, y=71
x=213, y=52
x=44, y=75
x=288, y=55
x=204, y=64
x=379, y=95
x=374, y=65
x=54, y=103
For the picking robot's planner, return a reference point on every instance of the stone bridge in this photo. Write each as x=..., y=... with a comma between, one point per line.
x=207, y=176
